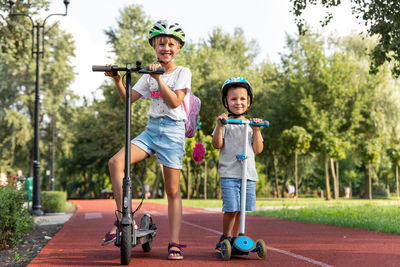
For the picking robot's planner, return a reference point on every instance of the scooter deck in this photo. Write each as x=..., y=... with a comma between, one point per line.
x=142, y=233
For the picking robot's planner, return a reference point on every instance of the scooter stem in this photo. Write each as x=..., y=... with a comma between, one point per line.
x=244, y=182
x=126, y=188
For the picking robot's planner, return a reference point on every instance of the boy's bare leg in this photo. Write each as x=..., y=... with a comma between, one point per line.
x=228, y=221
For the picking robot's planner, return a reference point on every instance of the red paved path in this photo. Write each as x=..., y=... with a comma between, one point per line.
x=288, y=243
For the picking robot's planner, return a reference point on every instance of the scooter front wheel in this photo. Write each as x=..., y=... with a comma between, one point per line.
x=126, y=244
x=226, y=250
x=261, y=249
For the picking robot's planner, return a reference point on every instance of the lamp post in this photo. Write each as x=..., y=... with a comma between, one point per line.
x=36, y=207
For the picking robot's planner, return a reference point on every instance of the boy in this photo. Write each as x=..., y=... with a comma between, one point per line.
x=237, y=96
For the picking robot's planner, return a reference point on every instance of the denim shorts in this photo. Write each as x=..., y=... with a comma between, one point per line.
x=231, y=194
x=165, y=138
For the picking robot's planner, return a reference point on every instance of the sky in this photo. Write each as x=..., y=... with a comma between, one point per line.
x=267, y=21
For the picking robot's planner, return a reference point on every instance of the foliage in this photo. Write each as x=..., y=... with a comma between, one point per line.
x=15, y=220
x=320, y=99
x=381, y=19
x=53, y=201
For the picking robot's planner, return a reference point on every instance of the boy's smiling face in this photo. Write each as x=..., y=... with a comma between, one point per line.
x=166, y=48
x=238, y=100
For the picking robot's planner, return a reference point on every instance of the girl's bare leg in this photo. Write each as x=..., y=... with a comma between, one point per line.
x=172, y=188
x=116, y=166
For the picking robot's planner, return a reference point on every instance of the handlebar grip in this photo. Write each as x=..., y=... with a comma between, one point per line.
x=160, y=70
x=262, y=123
x=101, y=68
x=233, y=121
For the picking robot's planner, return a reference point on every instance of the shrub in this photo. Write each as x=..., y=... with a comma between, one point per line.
x=15, y=220
x=53, y=201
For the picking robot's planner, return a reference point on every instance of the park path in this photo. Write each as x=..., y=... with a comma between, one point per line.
x=288, y=243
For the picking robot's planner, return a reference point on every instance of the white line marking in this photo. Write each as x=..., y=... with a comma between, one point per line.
x=268, y=247
x=93, y=215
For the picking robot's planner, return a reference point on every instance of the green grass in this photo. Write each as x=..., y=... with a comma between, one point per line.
x=375, y=215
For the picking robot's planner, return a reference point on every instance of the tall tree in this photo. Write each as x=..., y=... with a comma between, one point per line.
x=379, y=16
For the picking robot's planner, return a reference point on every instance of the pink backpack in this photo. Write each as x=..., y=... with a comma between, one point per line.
x=192, y=115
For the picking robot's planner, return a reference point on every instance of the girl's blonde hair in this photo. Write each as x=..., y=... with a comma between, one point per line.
x=162, y=39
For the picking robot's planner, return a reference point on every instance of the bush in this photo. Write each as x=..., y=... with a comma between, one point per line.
x=53, y=201
x=15, y=220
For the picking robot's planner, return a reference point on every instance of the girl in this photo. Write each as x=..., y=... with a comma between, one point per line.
x=165, y=131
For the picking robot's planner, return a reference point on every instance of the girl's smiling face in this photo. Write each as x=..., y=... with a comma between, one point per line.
x=238, y=100
x=166, y=48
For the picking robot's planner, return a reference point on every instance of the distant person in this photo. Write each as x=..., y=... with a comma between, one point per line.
x=237, y=96
x=3, y=178
x=165, y=131
x=147, y=193
x=20, y=178
x=291, y=191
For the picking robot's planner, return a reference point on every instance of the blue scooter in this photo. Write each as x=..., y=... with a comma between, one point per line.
x=243, y=244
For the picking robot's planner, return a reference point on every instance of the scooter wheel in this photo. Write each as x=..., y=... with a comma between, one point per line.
x=145, y=223
x=226, y=250
x=126, y=244
x=261, y=249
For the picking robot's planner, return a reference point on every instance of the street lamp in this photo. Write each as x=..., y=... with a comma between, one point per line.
x=36, y=207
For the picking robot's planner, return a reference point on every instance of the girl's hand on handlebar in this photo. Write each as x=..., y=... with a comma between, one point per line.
x=116, y=78
x=154, y=67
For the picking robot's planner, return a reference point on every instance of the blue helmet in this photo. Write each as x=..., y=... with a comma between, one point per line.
x=235, y=82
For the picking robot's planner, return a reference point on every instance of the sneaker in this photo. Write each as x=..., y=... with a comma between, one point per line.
x=218, y=246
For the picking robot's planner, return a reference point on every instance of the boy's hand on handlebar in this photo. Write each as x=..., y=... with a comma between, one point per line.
x=256, y=120
x=221, y=117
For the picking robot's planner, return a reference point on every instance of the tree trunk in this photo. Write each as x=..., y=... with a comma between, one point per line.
x=397, y=180
x=276, y=176
x=266, y=180
x=188, y=179
x=162, y=174
x=335, y=191
x=327, y=185
x=337, y=177
x=154, y=189
x=205, y=179
x=370, y=181
x=295, y=173
x=285, y=178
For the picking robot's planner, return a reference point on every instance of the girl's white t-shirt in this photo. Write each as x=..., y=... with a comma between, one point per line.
x=179, y=79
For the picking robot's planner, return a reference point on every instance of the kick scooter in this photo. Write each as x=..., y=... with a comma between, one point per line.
x=243, y=244
x=127, y=235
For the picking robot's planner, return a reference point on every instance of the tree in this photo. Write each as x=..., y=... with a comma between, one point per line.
x=394, y=154
x=370, y=154
x=381, y=19
x=295, y=140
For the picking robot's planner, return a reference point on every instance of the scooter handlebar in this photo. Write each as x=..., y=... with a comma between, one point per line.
x=102, y=68
x=233, y=121
x=160, y=70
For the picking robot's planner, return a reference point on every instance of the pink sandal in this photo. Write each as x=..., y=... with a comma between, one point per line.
x=175, y=251
x=109, y=238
